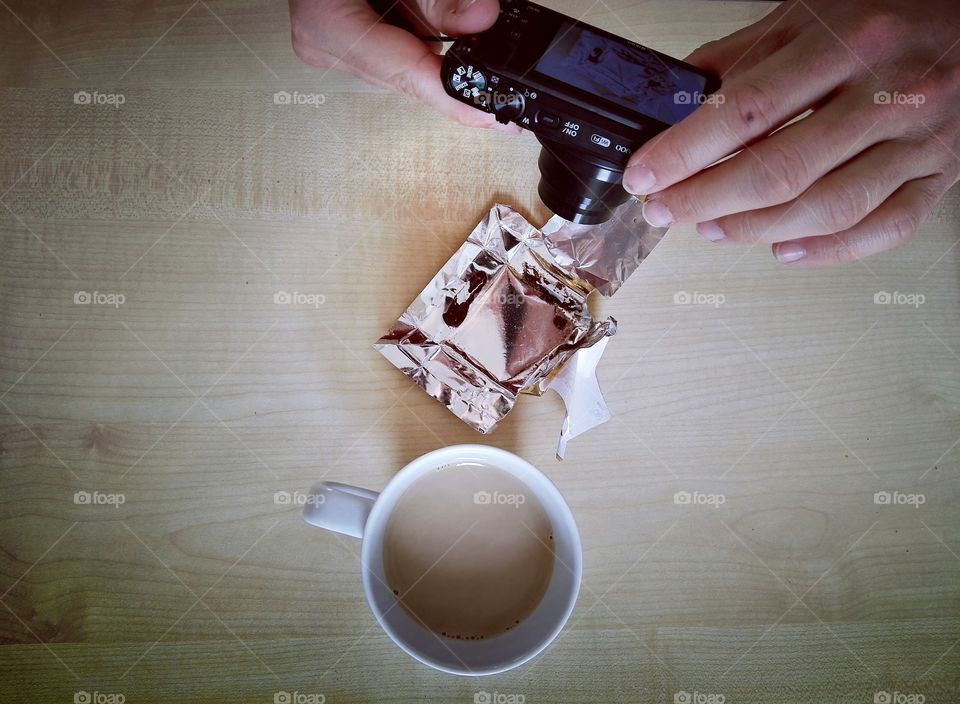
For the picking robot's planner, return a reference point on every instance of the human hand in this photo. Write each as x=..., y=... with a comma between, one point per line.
x=348, y=35
x=854, y=177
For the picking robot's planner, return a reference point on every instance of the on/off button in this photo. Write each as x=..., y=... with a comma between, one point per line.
x=547, y=120
x=600, y=140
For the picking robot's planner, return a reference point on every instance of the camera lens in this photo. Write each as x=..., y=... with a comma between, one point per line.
x=578, y=186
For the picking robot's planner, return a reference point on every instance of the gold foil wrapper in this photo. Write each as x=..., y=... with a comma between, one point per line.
x=508, y=312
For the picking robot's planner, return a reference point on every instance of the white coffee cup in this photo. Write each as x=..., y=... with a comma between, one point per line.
x=364, y=514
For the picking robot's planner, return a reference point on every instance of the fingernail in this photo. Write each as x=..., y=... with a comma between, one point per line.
x=789, y=252
x=463, y=5
x=657, y=214
x=710, y=230
x=638, y=179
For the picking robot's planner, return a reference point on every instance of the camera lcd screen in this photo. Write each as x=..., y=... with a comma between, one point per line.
x=623, y=74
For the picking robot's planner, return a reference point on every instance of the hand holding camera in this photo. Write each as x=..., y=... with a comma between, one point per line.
x=350, y=36
x=853, y=178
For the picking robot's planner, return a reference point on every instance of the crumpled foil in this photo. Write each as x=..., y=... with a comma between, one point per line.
x=507, y=314
x=603, y=255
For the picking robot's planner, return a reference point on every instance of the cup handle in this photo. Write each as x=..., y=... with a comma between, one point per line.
x=339, y=507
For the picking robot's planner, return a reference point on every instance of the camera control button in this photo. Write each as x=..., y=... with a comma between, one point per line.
x=508, y=106
x=547, y=119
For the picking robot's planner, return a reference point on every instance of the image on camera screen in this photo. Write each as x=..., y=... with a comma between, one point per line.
x=635, y=79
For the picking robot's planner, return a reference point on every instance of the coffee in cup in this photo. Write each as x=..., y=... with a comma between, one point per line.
x=468, y=551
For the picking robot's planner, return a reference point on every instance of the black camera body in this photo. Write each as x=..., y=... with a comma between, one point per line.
x=591, y=97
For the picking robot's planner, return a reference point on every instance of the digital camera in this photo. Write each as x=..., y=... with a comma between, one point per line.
x=591, y=98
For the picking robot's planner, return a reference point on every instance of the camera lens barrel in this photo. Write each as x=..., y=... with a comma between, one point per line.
x=578, y=186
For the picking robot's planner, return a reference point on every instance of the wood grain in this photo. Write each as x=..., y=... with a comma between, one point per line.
x=198, y=398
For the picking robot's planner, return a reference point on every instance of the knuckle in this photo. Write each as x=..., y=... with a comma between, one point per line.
x=839, y=252
x=409, y=83
x=752, y=107
x=927, y=197
x=900, y=225
x=746, y=228
x=926, y=154
x=781, y=174
x=843, y=207
x=683, y=205
x=933, y=89
x=920, y=90
x=404, y=84
x=869, y=32
x=671, y=157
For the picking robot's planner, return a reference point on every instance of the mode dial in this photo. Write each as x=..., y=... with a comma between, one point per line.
x=468, y=80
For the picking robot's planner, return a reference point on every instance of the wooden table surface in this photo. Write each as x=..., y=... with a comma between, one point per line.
x=194, y=399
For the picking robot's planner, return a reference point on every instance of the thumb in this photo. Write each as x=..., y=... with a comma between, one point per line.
x=456, y=17
x=351, y=37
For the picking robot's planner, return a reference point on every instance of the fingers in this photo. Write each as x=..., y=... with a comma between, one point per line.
x=747, y=107
x=889, y=225
x=421, y=81
x=836, y=203
x=743, y=48
x=451, y=17
x=349, y=36
x=774, y=170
